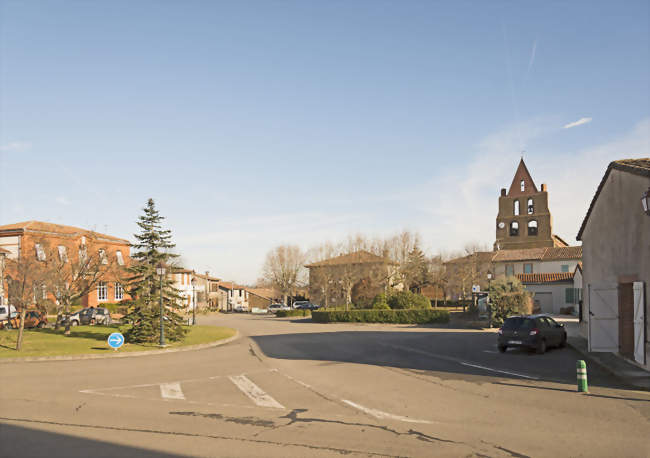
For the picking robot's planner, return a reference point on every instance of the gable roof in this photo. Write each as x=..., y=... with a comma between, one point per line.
x=640, y=166
x=39, y=227
x=522, y=173
x=545, y=278
x=230, y=285
x=357, y=257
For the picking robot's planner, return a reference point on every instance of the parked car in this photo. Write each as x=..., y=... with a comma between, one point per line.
x=33, y=319
x=240, y=308
x=90, y=315
x=5, y=310
x=535, y=332
x=277, y=307
x=305, y=305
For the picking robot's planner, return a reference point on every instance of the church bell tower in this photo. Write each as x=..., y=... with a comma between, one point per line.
x=524, y=220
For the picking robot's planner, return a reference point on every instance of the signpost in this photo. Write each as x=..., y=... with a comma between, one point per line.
x=116, y=340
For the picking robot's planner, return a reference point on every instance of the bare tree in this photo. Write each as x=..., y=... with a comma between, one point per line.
x=70, y=278
x=284, y=268
x=25, y=280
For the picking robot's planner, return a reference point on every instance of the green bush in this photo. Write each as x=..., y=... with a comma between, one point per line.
x=408, y=300
x=286, y=313
x=508, y=297
x=403, y=316
x=380, y=302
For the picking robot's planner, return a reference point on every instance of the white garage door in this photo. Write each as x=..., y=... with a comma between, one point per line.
x=545, y=301
x=603, y=318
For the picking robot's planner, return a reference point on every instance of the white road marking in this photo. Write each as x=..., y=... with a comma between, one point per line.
x=171, y=391
x=457, y=360
x=254, y=392
x=499, y=371
x=383, y=415
x=489, y=351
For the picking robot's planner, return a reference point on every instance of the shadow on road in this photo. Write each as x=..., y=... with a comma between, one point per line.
x=469, y=356
x=22, y=441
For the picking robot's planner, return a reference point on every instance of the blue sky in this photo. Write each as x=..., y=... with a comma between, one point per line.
x=258, y=123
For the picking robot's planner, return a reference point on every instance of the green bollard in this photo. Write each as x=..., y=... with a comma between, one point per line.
x=581, y=369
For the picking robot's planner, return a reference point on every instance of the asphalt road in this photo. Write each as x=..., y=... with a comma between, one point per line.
x=295, y=388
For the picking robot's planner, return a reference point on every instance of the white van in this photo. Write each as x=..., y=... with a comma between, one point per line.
x=4, y=312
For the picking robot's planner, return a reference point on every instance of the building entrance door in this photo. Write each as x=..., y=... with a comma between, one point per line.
x=626, y=320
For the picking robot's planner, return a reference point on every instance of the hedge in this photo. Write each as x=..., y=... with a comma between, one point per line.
x=403, y=316
x=286, y=313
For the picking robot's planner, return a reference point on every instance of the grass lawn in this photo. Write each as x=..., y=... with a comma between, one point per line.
x=93, y=340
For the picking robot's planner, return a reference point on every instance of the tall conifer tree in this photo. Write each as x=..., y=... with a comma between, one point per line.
x=153, y=246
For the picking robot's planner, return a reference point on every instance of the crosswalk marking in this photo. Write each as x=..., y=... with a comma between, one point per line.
x=383, y=415
x=171, y=391
x=254, y=392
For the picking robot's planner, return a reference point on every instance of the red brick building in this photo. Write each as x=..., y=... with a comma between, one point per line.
x=39, y=239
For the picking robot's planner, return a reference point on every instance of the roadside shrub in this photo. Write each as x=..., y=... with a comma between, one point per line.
x=380, y=302
x=402, y=316
x=508, y=297
x=408, y=300
x=287, y=313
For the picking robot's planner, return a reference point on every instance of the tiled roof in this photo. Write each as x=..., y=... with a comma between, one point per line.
x=557, y=253
x=559, y=241
x=358, y=257
x=540, y=254
x=640, y=166
x=519, y=255
x=206, y=277
x=545, y=278
x=483, y=256
x=230, y=285
x=266, y=293
x=51, y=228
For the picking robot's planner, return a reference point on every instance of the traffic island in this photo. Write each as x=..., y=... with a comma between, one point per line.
x=91, y=342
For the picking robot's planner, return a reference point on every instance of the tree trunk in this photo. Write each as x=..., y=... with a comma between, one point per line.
x=21, y=328
x=67, y=319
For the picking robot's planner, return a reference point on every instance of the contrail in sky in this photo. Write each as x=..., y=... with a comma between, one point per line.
x=532, y=57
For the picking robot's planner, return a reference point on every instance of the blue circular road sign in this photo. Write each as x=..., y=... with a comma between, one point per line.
x=116, y=340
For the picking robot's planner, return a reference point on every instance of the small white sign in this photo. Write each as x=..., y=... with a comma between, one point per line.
x=476, y=288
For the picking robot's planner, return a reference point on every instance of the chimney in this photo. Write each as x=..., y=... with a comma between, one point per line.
x=503, y=192
x=544, y=187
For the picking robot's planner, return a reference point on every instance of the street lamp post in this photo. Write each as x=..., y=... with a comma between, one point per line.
x=487, y=300
x=193, y=300
x=160, y=270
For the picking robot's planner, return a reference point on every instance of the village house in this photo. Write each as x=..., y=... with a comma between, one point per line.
x=232, y=297
x=332, y=281
x=615, y=237
x=207, y=290
x=40, y=239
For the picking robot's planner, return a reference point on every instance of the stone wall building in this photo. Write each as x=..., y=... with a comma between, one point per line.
x=333, y=281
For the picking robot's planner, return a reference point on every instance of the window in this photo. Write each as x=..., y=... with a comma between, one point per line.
x=564, y=268
x=510, y=270
x=532, y=227
x=102, y=256
x=569, y=295
x=63, y=253
x=120, y=258
x=40, y=252
x=514, y=228
x=102, y=291
x=83, y=254
x=528, y=268
x=83, y=240
x=516, y=208
x=44, y=288
x=119, y=292
x=531, y=207
x=523, y=185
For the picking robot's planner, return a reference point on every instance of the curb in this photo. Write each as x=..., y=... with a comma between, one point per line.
x=594, y=360
x=122, y=355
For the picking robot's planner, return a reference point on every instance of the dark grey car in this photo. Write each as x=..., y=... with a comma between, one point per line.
x=535, y=332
